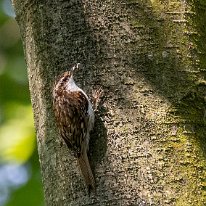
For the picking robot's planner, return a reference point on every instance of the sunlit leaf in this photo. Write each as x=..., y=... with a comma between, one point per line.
x=17, y=140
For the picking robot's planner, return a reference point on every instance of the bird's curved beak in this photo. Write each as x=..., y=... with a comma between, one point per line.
x=75, y=67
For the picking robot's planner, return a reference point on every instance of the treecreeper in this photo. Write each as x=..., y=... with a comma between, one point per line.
x=74, y=115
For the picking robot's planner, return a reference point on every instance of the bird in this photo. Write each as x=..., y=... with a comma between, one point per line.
x=74, y=116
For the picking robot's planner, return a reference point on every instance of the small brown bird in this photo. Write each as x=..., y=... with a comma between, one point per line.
x=75, y=119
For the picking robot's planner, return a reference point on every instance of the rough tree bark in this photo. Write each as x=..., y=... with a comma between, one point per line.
x=147, y=147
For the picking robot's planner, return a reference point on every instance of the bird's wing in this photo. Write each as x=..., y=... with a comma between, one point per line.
x=73, y=119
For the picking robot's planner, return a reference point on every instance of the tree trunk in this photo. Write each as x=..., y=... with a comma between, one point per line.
x=148, y=146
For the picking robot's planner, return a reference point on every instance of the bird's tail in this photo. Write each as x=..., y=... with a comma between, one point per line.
x=86, y=171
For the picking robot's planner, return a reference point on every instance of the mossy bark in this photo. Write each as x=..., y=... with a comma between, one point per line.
x=148, y=145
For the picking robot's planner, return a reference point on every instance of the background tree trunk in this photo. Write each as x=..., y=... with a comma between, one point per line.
x=148, y=147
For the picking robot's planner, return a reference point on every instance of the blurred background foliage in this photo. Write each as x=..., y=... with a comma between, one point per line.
x=20, y=179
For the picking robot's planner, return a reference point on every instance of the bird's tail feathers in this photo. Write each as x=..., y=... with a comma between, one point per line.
x=86, y=171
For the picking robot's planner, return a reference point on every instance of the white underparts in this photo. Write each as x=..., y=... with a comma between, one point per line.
x=71, y=86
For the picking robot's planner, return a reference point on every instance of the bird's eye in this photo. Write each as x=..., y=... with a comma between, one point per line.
x=65, y=79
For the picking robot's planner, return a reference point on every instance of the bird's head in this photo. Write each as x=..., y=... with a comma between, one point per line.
x=68, y=75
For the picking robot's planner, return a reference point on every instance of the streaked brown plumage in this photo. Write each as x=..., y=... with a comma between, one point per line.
x=75, y=120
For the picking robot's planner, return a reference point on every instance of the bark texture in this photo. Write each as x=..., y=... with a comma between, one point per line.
x=148, y=146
